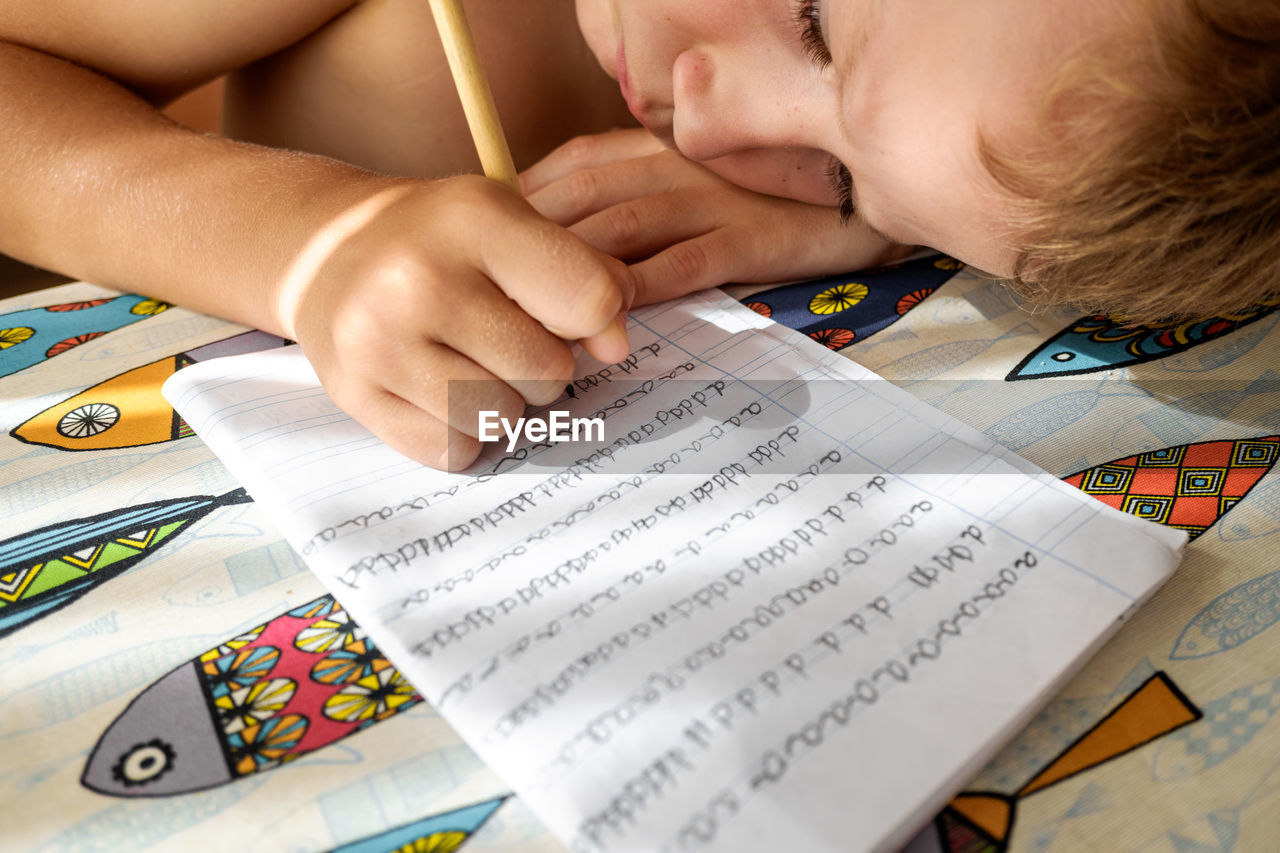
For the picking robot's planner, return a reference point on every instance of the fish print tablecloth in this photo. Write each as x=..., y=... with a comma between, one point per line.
x=172, y=677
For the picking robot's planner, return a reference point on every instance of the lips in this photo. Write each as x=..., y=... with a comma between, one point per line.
x=635, y=104
x=654, y=117
x=624, y=82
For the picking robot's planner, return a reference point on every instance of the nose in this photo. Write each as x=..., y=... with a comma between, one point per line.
x=731, y=103
x=768, y=132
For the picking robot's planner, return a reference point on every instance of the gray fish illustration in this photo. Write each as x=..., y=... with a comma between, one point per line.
x=1228, y=725
x=1232, y=619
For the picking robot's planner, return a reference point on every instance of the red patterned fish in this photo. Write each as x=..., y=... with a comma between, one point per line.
x=1189, y=486
x=266, y=697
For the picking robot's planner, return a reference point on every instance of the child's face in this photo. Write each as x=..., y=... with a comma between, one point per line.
x=909, y=86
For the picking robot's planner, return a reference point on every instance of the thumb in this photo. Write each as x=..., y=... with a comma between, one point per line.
x=611, y=343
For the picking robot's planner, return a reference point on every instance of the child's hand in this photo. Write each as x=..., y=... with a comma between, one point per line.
x=428, y=283
x=628, y=195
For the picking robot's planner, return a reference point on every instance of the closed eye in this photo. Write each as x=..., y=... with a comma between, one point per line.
x=808, y=18
x=842, y=185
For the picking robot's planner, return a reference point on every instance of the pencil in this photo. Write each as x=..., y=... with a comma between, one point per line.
x=473, y=89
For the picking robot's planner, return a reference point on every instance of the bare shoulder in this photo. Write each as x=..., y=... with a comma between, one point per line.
x=160, y=48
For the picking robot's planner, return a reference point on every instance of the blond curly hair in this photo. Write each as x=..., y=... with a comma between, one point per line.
x=1158, y=193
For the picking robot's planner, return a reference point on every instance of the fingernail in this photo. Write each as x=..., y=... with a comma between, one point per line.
x=614, y=337
x=462, y=451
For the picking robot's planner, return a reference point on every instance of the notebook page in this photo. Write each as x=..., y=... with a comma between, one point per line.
x=781, y=602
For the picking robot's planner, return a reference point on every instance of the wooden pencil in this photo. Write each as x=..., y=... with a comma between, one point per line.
x=473, y=89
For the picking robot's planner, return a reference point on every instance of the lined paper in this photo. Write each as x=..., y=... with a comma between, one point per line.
x=782, y=602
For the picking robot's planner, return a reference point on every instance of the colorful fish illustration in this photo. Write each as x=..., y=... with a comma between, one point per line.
x=1232, y=619
x=1103, y=342
x=442, y=833
x=1228, y=349
x=62, y=695
x=840, y=310
x=47, y=569
x=30, y=336
x=128, y=410
x=983, y=820
x=1189, y=486
x=294, y=684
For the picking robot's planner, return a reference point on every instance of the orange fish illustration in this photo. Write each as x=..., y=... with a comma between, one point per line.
x=128, y=410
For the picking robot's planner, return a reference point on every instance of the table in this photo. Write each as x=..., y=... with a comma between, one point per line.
x=171, y=675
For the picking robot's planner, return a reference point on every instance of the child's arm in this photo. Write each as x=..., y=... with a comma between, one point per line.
x=387, y=283
x=627, y=194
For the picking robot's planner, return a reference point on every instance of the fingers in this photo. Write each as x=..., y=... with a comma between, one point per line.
x=497, y=337
x=572, y=289
x=412, y=432
x=590, y=191
x=413, y=321
x=639, y=227
x=708, y=260
x=588, y=152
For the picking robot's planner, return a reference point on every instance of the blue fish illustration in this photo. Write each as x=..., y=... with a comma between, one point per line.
x=442, y=833
x=33, y=335
x=1103, y=342
x=27, y=493
x=102, y=625
x=1218, y=831
x=1232, y=619
x=47, y=569
x=149, y=824
x=839, y=310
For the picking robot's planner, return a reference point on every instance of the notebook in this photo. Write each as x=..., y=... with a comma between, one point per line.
x=761, y=598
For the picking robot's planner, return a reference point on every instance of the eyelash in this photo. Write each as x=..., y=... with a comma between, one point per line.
x=842, y=184
x=809, y=21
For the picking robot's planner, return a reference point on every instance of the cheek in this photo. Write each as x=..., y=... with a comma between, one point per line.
x=799, y=174
x=598, y=25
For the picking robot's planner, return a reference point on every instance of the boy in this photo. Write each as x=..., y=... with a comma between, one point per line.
x=945, y=124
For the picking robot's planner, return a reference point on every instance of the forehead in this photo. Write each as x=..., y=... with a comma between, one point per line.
x=921, y=83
